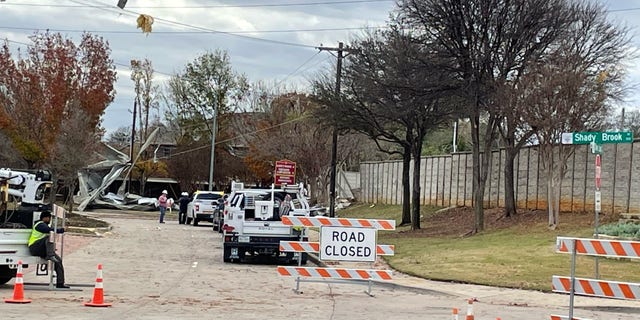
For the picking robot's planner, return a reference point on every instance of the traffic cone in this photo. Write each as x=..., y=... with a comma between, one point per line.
x=98, y=298
x=470, y=310
x=18, y=288
x=455, y=314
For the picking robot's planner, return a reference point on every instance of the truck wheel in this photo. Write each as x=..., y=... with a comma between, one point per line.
x=226, y=255
x=6, y=274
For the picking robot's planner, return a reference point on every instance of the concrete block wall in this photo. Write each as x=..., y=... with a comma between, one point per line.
x=447, y=180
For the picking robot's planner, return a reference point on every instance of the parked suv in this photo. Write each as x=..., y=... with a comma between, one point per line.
x=202, y=206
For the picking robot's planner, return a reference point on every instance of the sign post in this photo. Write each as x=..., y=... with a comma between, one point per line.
x=598, y=206
x=596, y=140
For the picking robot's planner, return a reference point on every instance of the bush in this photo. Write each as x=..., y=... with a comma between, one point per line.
x=626, y=230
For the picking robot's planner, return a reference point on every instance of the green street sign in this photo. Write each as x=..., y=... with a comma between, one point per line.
x=615, y=137
x=580, y=137
x=588, y=137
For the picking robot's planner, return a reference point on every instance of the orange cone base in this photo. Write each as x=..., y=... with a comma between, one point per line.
x=17, y=301
x=91, y=304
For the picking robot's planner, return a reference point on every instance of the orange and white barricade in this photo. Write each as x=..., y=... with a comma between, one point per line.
x=335, y=273
x=595, y=287
x=339, y=222
x=337, y=236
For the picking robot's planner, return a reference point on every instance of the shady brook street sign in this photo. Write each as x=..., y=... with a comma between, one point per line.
x=597, y=137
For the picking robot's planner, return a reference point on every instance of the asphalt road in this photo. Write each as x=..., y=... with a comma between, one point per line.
x=171, y=271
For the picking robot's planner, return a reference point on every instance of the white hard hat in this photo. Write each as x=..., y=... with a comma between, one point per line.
x=165, y=191
x=186, y=194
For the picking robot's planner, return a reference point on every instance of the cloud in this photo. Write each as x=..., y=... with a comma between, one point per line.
x=259, y=60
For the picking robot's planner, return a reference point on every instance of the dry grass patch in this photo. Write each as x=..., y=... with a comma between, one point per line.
x=516, y=252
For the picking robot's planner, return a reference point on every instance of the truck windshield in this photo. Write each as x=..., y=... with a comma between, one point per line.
x=209, y=196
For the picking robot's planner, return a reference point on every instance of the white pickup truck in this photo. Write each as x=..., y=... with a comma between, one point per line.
x=252, y=225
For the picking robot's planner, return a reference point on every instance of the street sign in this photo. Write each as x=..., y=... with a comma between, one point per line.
x=285, y=172
x=579, y=137
x=596, y=148
x=588, y=137
x=615, y=137
x=348, y=244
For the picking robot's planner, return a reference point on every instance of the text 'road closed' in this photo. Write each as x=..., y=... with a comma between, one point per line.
x=347, y=244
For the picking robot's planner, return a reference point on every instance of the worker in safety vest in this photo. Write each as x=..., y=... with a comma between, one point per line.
x=39, y=245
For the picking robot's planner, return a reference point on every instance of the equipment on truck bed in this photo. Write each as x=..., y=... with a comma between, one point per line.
x=23, y=196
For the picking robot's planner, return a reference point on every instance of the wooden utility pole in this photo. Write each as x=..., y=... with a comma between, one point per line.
x=334, y=141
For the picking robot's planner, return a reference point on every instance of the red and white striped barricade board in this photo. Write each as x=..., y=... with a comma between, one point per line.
x=301, y=246
x=599, y=247
x=597, y=288
x=339, y=222
x=554, y=317
x=335, y=273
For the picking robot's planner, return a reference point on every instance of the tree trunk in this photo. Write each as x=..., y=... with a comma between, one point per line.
x=478, y=186
x=406, y=186
x=415, y=215
x=509, y=186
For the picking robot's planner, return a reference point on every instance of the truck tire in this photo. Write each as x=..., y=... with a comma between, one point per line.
x=226, y=254
x=6, y=274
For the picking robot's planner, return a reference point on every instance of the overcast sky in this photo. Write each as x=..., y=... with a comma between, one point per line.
x=186, y=30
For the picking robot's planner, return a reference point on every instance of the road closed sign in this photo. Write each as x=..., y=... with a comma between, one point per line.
x=348, y=244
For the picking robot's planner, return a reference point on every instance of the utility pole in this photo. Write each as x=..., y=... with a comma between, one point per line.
x=213, y=146
x=334, y=141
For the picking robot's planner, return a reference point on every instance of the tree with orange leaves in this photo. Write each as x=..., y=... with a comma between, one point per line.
x=46, y=85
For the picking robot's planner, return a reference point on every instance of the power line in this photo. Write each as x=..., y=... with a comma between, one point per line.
x=299, y=4
x=239, y=136
x=196, y=32
x=180, y=24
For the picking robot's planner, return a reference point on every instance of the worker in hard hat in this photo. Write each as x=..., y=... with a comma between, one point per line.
x=162, y=204
x=184, y=202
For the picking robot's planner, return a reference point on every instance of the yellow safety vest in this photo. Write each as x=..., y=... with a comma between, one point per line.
x=35, y=234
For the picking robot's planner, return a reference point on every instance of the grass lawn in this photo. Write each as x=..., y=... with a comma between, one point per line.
x=514, y=252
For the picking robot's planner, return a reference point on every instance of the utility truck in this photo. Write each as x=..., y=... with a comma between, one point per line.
x=252, y=222
x=31, y=192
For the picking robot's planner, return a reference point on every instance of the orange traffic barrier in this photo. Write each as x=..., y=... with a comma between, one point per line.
x=455, y=314
x=18, y=288
x=470, y=315
x=98, y=292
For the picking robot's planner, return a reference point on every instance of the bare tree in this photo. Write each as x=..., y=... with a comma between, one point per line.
x=486, y=42
x=394, y=94
x=572, y=89
x=74, y=148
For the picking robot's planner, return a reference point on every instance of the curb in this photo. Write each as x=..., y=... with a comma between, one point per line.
x=95, y=232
